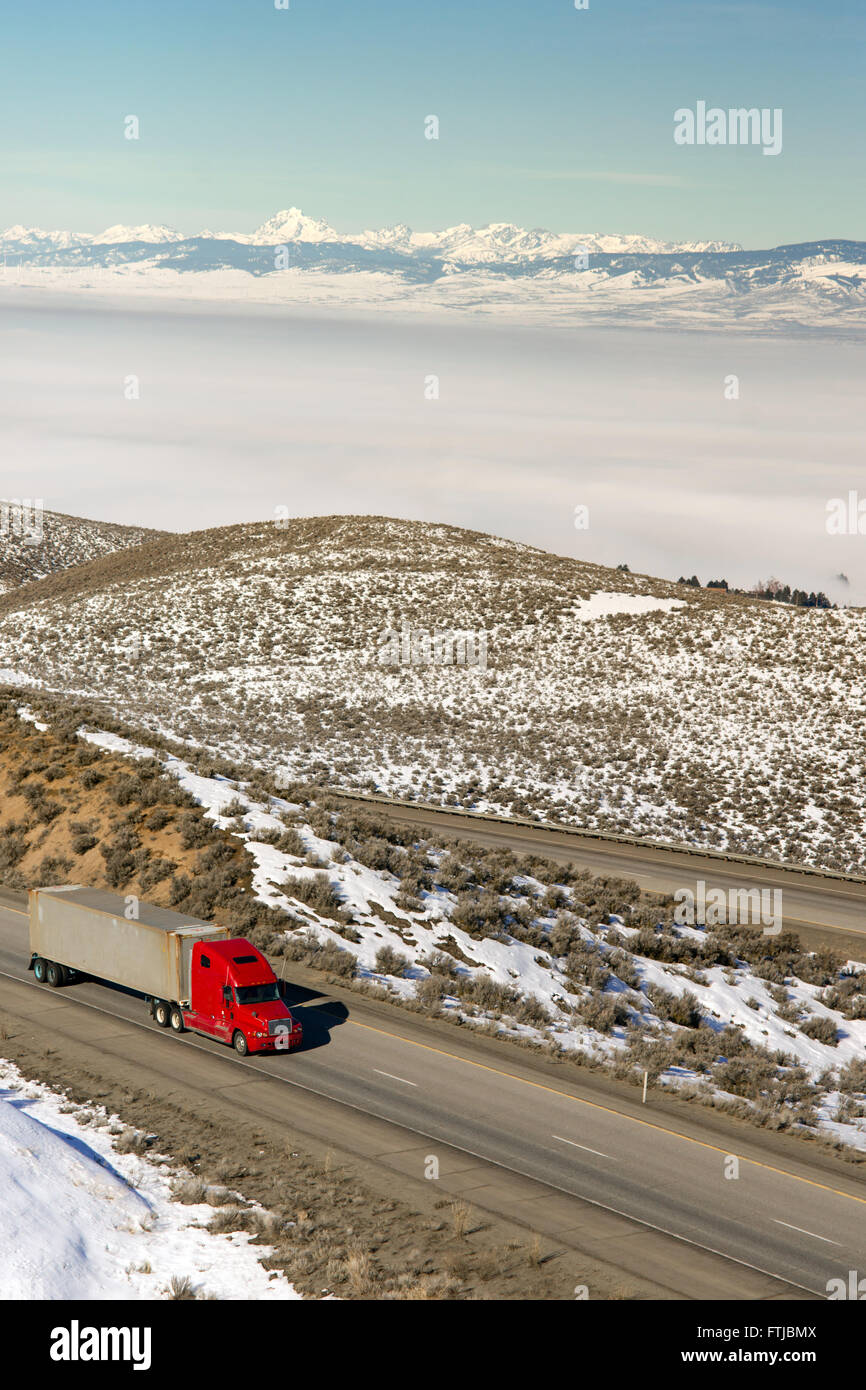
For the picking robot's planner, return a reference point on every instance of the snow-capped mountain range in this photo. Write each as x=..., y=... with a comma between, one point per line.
x=532, y=274
x=496, y=242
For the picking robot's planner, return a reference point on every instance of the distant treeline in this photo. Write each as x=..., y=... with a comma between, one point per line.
x=772, y=589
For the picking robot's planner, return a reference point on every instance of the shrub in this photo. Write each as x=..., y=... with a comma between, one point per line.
x=378, y=854
x=431, y=991
x=408, y=902
x=486, y=993
x=195, y=832
x=822, y=1030
x=531, y=1011
x=119, y=866
x=155, y=872
x=564, y=935
x=45, y=810
x=181, y=1288
x=221, y=853
x=451, y=875
x=624, y=968
x=439, y=963
x=52, y=871
x=290, y=842
x=479, y=913
x=682, y=1009
x=180, y=888
x=335, y=960
x=584, y=965
x=603, y=1011
x=13, y=848
x=268, y=836
x=126, y=789
x=317, y=892
x=391, y=962
x=852, y=1079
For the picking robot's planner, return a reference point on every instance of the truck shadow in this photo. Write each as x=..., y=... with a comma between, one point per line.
x=315, y=1011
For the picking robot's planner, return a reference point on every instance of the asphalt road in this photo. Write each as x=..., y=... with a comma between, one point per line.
x=825, y=909
x=646, y=1186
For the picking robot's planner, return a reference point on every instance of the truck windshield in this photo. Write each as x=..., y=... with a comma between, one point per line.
x=257, y=994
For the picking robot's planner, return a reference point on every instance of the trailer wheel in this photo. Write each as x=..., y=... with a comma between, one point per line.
x=162, y=1013
x=241, y=1045
x=177, y=1023
x=53, y=974
x=39, y=970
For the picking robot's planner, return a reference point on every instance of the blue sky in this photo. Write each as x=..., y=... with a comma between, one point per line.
x=549, y=116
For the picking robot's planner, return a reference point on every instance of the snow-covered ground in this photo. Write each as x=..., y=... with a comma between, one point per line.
x=80, y=1220
x=36, y=541
x=610, y=701
x=500, y=271
x=726, y=997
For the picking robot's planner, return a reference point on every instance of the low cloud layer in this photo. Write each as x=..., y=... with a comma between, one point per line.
x=184, y=416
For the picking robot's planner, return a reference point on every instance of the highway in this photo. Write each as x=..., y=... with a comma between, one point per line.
x=824, y=909
x=570, y=1154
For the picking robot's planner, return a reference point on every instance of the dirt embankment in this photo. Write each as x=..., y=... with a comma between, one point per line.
x=71, y=813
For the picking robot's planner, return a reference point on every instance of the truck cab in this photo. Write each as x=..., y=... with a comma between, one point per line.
x=235, y=996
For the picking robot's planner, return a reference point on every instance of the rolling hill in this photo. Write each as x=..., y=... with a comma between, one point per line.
x=35, y=543
x=601, y=698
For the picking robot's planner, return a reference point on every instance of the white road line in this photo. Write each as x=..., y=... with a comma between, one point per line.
x=813, y=1234
x=392, y=1077
x=217, y=1052
x=597, y=1152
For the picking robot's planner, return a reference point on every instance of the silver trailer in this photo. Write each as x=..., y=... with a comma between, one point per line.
x=87, y=931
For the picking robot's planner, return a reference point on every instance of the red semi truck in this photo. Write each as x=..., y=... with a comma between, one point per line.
x=192, y=974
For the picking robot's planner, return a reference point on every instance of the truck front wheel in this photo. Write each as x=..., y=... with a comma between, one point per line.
x=241, y=1045
x=177, y=1024
x=162, y=1013
x=54, y=974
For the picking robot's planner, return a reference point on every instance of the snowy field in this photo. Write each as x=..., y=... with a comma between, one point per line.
x=609, y=701
x=537, y=983
x=81, y=1220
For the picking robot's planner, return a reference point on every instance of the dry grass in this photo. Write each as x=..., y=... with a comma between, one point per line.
x=769, y=684
x=460, y=1212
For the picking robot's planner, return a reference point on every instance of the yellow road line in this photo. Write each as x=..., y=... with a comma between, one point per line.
x=579, y=1100
x=608, y=1109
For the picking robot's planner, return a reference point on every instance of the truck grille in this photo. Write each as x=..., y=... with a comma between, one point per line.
x=279, y=1025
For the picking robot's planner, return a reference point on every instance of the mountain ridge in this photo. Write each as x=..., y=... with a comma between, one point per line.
x=500, y=271
x=292, y=224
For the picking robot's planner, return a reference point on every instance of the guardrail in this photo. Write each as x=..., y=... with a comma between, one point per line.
x=636, y=841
